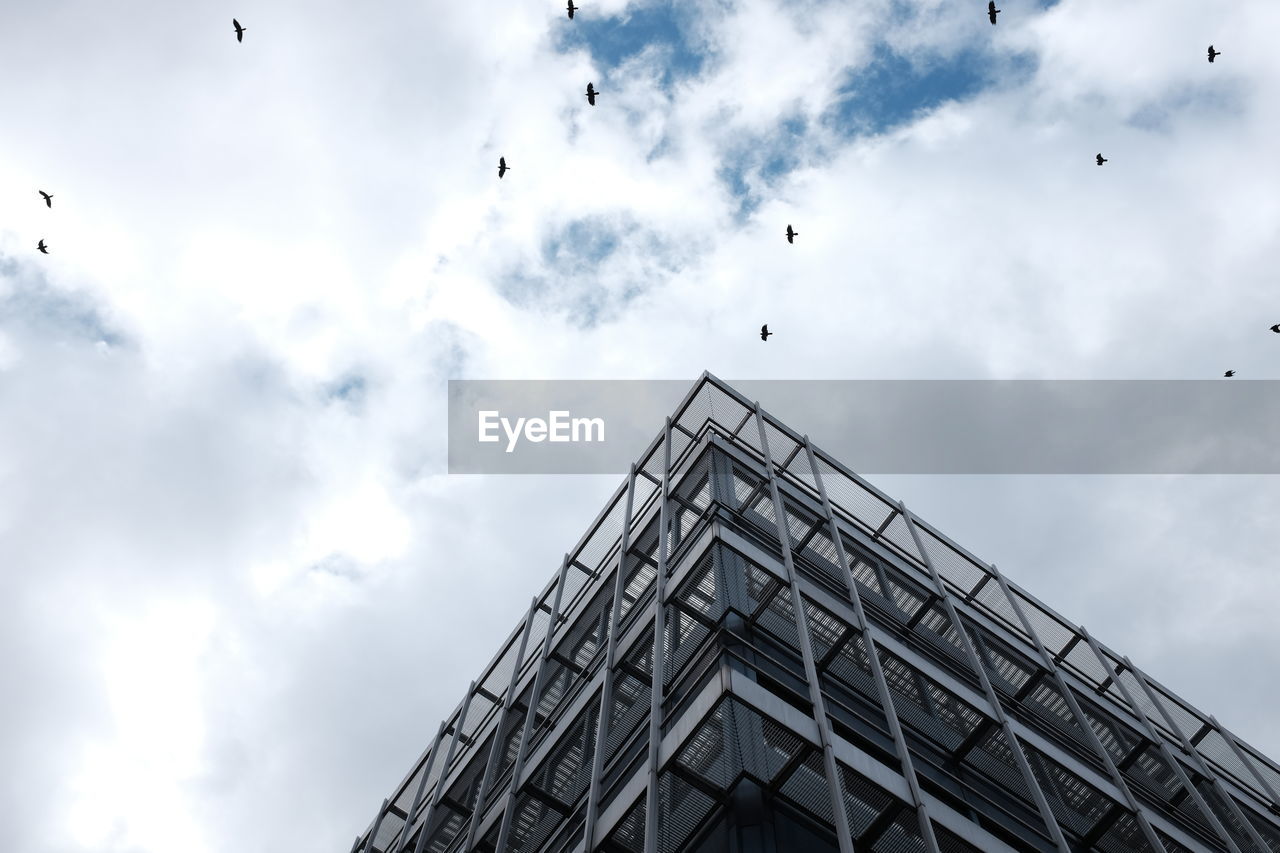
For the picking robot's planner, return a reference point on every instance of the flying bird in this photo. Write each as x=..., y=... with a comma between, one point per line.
x=42, y=247
x=1229, y=374
x=1101, y=159
x=792, y=235
x=48, y=199
x=765, y=333
x=239, y=29
x=572, y=9
x=502, y=166
x=992, y=11
x=1276, y=328
x=1213, y=53
x=591, y=95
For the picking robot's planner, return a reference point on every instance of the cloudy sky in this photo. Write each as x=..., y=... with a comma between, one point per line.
x=236, y=578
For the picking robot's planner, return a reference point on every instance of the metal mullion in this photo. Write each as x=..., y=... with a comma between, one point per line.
x=1015, y=746
x=377, y=824
x=1244, y=759
x=496, y=748
x=606, y=690
x=825, y=735
x=1196, y=757
x=1116, y=776
x=429, y=817
x=422, y=785
x=531, y=714
x=1163, y=746
x=659, y=640
x=873, y=661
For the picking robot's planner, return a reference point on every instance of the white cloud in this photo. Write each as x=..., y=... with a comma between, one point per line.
x=240, y=231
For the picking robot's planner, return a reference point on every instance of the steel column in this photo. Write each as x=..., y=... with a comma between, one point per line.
x=1246, y=761
x=1199, y=761
x=659, y=651
x=610, y=655
x=496, y=748
x=1148, y=831
x=532, y=713
x=429, y=818
x=1015, y=746
x=834, y=787
x=377, y=824
x=1161, y=744
x=422, y=785
x=873, y=656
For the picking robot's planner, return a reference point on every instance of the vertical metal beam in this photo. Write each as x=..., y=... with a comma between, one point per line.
x=495, y=749
x=1245, y=760
x=659, y=651
x=834, y=787
x=422, y=785
x=1199, y=761
x=873, y=656
x=531, y=714
x=377, y=824
x=1117, y=777
x=1015, y=746
x=610, y=655
x=1161, y=744
x=429, y=818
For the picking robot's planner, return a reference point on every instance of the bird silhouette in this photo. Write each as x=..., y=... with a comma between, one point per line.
x=239, y=29
x=591, y=95
x=992, y=11
x=48, y=199
x=792, y=235
x=765, y=333
x=1229, y=374
x=1101, y=159
x=572, y=9
x=502, y=166
x=42, y=247
x=1213, y=53
x=1276, y=328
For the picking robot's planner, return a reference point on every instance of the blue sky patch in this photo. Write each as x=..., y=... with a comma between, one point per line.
x=582, y=243
x=758, y=162
x=891, y=90
x=612, y=41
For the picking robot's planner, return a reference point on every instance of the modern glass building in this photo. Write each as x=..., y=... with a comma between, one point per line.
x=833, y=674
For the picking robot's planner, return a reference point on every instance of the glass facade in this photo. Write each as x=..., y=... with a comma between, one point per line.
x=835, y=675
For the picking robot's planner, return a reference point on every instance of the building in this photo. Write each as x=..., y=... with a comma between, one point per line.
x=836, y=675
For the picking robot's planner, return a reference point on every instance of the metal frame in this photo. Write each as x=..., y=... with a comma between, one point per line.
x=610, y=661
x=531, y=715
x=877, y=671
x=825, y=735
x=856, y=513
x=658, y=683
x=1116, y=776
x=1015, y=745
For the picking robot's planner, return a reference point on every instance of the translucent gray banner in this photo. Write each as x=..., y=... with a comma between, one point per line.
x=889, y=426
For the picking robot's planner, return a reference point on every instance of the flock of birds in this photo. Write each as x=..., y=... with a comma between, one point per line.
x=591, y=94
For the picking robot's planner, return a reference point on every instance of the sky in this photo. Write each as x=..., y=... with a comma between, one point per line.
x=240, y=590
